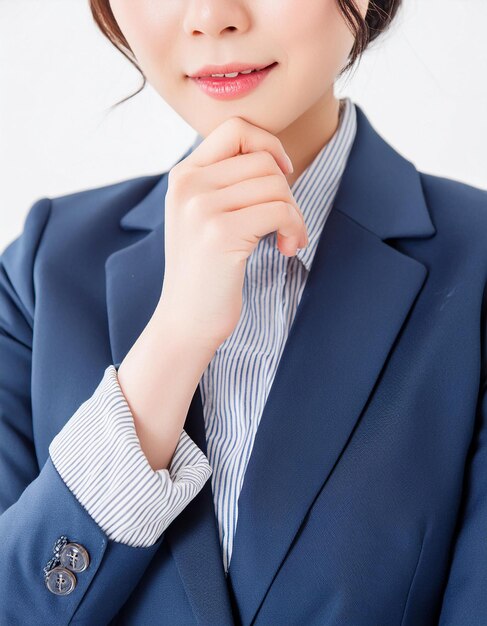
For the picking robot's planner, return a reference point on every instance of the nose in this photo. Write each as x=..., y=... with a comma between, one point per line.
x=216, y=18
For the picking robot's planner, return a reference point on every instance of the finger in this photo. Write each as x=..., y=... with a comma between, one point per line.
x=254, y=222
x=243, y=167
x=237, y=136
x=238, y=168
x=251, y=191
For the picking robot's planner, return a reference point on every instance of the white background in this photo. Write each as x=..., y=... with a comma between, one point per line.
x=423, y=86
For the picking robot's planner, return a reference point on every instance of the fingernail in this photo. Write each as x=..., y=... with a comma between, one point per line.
x=289, y=164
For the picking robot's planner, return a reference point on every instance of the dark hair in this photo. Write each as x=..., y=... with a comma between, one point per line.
x=379, y=15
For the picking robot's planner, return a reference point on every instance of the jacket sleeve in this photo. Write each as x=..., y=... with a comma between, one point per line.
x=465, y=594
x=110, y=475
x=36, y=505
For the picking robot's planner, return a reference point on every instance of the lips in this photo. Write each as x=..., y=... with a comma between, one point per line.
x=255, y=69
x=229, y=68
x=224, y=88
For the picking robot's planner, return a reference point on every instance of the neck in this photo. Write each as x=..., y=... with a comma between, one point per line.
x=308, y=134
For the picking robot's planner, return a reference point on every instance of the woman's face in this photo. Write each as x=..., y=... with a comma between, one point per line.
x=173, y=38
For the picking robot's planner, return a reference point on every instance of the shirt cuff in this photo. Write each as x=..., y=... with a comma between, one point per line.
x=98, y=455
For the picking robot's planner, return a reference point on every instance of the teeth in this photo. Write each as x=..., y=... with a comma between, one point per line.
x=232, y=75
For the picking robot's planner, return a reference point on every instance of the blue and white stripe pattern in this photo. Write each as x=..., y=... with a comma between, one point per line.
x=112, y=478
x=99, y=457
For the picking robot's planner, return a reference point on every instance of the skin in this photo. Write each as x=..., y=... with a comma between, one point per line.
x=308, y=38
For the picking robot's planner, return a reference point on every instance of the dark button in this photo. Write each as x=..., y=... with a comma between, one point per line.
x=60, y=581
x=74, y=557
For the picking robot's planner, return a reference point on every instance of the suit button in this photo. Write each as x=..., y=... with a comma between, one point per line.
x=60, y=581
x=74, y=557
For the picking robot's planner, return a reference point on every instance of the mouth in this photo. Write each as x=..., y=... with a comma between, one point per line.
x=230, y=70
x=235, y=85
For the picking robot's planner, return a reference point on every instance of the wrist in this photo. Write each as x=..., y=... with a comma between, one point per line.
x=178, y=329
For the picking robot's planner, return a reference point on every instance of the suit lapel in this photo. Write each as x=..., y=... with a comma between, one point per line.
x=358, y=295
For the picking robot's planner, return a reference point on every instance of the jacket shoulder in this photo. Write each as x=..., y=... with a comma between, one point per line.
x=66, y=228
x=99, y=204
x=454, y=198
x=459, y=212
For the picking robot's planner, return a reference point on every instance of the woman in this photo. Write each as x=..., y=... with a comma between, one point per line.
x=311, y=337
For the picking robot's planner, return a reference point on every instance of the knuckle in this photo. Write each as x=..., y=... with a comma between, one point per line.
x=291, y=212
x=280, y=186
x=268, y=162
x=174, y=172
x=236, y=123
x=196, y=203
x=286, y=209
x=214, y=231
x=177, y=176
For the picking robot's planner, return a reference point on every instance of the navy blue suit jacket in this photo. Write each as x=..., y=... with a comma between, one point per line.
x=365, y=499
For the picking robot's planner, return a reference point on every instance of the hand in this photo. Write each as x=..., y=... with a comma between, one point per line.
x=221, y=199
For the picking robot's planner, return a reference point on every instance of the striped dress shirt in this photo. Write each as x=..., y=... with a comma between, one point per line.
x=110, y=475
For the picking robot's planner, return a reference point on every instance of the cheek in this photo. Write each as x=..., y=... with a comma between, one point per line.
x=148, y=27
x=316, y=41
